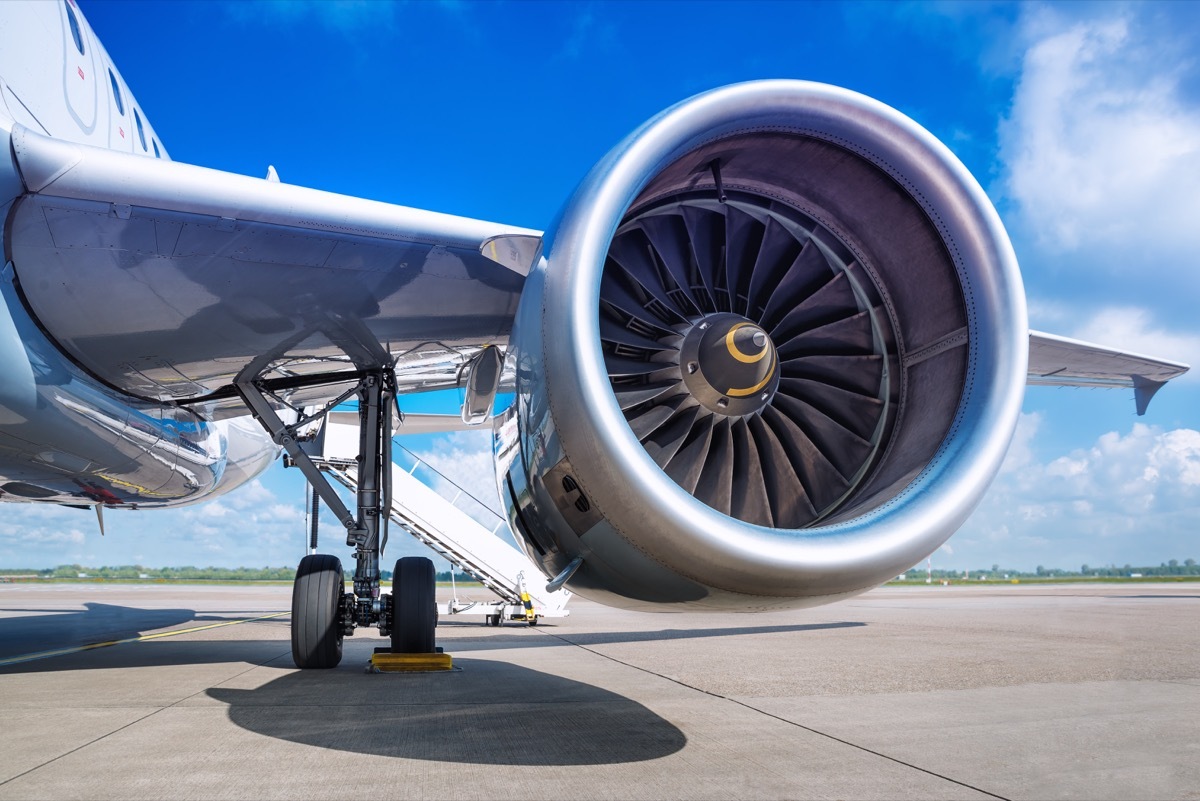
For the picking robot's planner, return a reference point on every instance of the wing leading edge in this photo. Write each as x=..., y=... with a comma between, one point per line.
x=168, y=280
x=1064, y=362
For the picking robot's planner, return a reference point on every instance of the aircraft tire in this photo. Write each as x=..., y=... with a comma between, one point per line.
x=414, y=606
x=316, y=609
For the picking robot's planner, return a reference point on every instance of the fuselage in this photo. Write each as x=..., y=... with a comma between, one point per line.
x=65, y=436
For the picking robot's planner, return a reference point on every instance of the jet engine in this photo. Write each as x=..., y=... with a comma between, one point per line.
x=773, y=356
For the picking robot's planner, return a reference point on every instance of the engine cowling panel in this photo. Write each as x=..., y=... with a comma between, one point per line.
x=773, y=357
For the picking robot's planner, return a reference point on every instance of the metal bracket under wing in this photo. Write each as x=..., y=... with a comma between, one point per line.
x=283, y=436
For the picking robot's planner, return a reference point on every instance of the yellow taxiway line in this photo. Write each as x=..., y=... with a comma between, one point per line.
x=16, y=660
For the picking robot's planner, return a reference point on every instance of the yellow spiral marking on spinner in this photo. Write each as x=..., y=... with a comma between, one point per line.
x=741, y=393
x=745, y=358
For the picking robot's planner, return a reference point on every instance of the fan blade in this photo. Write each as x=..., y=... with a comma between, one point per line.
x=663, y=444
x=743, y=236
x=632, y=253
x=776, y=254
x=831, y=302
x=790, y=506
x=849, y=335
x=855, y=412
x=685, y=467
x=652, y=419
x=614, y=293
x=860, y=374
x=716, y=480
x=618, y=365
x=669, y=238
x=630, y=395
x=822, y=481
x=840, y=446
x=612, y=331
x=808, y=273
x=706, y=233
x=749, y=501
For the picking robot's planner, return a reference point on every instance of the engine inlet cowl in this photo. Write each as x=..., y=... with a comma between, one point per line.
x=783, y=338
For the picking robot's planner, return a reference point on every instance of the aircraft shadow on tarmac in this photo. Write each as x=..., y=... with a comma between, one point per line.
x=94, y=623
x=105, y=622
x=489, y=712
x=562, y=635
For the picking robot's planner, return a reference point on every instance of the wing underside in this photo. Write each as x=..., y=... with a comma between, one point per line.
x=168, y=281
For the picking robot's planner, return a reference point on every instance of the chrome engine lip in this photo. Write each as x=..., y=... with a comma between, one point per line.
x=687, y=535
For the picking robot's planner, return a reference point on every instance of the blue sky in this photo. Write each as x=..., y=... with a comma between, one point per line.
x=1082, y=121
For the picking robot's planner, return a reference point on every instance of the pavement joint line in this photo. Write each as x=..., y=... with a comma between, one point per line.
x=809, y=729
x=17, y=660
x=153, y=712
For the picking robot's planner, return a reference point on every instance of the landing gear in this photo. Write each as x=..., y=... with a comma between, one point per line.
x=322, y=613
x=317, y=612
x=413, y=606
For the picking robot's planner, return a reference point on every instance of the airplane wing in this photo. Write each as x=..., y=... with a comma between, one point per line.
x=1060, y=361
x=167, y=280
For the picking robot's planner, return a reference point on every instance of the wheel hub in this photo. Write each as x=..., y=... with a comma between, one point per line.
x=729, y=365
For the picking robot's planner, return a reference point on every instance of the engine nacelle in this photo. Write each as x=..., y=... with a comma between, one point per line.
x=774, y=355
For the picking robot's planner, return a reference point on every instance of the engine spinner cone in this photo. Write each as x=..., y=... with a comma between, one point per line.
x=729, y=365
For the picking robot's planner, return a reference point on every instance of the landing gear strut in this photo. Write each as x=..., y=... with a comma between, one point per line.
x=322, y=612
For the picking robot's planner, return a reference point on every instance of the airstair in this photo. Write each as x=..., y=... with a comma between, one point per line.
x=454, y=524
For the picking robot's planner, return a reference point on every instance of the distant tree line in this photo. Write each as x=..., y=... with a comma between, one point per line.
x=1171, y=568
x=173, y=573
x=444, y=576
x=186, y=573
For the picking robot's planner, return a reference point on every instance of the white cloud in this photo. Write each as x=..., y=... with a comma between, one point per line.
x=1128, y=498
x=1020, y=451
x=213, y=509
x=285, y=513
x=251, y=494
x=1101, y=148
x=466, y=460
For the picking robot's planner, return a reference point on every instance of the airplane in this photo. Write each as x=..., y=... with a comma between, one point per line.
x=771, y=354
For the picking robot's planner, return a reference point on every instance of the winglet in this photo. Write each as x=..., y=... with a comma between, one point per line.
x=1143, y=391
x=100, y=517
